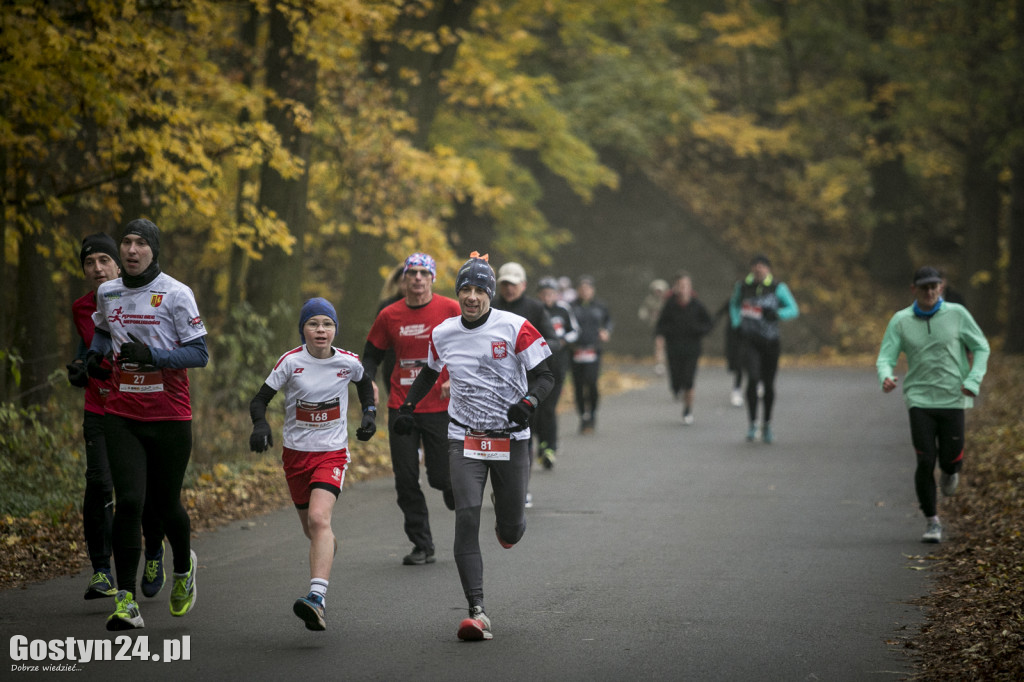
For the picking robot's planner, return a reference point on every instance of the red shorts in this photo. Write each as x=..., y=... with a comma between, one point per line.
x=305, y=469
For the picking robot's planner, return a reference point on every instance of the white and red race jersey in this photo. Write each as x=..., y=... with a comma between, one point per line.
x=162, y=314
x=407, y=330
x=315, y=398
x=487, y=366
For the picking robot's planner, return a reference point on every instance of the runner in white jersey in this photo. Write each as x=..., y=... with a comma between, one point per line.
x=497, y=366
x=149, y=323
x=315, y=378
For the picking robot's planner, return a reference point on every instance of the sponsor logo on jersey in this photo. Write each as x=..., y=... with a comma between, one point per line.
x=156, y=299
x=124, y=319
x=298, y=370
x=344, y=373
x=413, y=330
x=336, y=474
x=499, y=350
x=196, y=323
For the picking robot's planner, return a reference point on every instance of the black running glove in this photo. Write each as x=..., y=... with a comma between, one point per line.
x=136, y=351
x=78, y=375
x=368, y=426
x=94, y=366
x=770, y=314
x=521, y=411
x=404, y=422
x=262, y=438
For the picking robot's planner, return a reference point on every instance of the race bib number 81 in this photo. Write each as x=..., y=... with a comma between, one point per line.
x=480, y=445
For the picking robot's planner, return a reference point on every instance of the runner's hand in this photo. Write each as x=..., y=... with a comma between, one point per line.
x=77, y=374
x=404, y=422
x=368, y=426
x=262, y=438
x=136, y=351
x=521, y=411
x=94, y=366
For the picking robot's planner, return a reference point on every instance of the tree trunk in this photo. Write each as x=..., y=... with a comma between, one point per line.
x=981, y=234
x=6, y=300
x=277, y=279
x=1015, y=271
x=888, y=257
x=238, y=262
x=393, y=58
x=34, y=320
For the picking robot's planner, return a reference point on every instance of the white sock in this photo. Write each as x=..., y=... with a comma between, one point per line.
x=319, y=586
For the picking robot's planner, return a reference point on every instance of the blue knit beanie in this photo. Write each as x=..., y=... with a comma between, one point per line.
x=313, y=307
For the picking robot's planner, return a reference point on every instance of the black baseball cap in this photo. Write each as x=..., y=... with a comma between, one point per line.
x=927, y=275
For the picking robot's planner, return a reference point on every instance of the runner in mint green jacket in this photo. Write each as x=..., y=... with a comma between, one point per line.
x=941, y=382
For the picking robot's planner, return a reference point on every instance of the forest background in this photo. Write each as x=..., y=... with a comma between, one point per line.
x=294, y=149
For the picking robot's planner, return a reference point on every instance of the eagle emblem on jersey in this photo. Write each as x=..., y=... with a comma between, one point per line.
x=499, y=350
x=156, y=299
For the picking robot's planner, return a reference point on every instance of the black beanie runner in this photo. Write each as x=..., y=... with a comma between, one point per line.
x=99, y=243
x=151, y=233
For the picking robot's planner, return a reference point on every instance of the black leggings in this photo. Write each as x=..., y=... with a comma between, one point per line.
x=98, y=502
x=545, y=419
x=584, y=378
x=508, y=482
x=760, y=362
x=148, y=462
x=938, y=436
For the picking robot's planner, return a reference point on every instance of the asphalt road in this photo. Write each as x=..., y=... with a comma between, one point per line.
x=654, y=551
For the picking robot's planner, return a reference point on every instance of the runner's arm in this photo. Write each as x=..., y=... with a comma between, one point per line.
x=191, y=354
x=364, y=389
x=421, y=387
x=540, y=380
x=372, y=357
x=258, y=405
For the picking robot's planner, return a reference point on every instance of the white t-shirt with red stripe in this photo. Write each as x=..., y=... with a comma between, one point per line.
x=487, y=366
x=315, y=398
x=162, y=314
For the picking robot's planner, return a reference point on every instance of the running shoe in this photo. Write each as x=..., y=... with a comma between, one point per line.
x=477, y=627
x=126, y=614
x=933, y=533
x=752, y=432
x=183, y=594
x=418, y=557
x=154, y=575
x=311, y=610
x=547, y=458
x=101, y=585
x=736, y=398
x=687, y=417
x=949, y=483
x=766, y=434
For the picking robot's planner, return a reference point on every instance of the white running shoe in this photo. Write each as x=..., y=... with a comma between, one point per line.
x=477, y=627
x=934, y=532
x=949, y=483
x=736, y=398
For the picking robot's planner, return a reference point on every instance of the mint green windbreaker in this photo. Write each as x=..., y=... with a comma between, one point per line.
x=936, y=350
